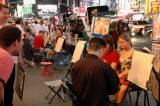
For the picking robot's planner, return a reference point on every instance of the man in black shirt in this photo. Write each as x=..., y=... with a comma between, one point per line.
x=92, y=79
x=29, y=52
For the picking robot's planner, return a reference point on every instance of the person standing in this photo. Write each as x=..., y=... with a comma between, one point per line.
x=36, y=28
x=43, y=26
x=9, y=90
x=92, y=79
x=8, y=48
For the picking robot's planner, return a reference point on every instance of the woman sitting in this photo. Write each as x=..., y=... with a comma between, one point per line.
x=110, y=55
x=125, y=59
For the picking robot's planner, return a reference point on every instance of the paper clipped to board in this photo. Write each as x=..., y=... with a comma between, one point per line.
x=141, y=68
x=78, y=51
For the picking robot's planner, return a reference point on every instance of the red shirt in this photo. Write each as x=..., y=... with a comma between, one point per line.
x=111, y=57
x=38, y=42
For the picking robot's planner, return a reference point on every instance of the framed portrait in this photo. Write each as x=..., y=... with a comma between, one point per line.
x=20, y=82
x=101, y=25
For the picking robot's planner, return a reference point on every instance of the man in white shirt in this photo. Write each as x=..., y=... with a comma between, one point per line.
x=36, y=28
x=43, y=26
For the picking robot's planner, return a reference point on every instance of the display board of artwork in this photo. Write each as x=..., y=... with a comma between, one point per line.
x=101, y=25
x=156, y=62
x=20, y=82
x=156, y=27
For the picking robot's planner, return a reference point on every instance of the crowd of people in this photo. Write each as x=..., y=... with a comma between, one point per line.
x=102, y=72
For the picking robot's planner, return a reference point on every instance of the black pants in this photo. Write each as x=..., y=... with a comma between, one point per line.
x=9, y=90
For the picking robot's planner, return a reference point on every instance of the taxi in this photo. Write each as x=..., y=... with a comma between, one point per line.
x=139, y=27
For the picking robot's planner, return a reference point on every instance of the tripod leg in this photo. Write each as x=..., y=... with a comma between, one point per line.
x=138, y=94
x=147, y=98
x=144, y=98
x=130, y=98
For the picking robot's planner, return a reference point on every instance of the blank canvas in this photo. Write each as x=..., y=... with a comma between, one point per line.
x=78, y=51
x=59, y=44
x=141, y=68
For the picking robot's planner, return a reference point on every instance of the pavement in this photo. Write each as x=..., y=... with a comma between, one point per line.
x=35, y=90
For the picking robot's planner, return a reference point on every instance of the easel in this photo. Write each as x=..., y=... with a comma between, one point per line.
x=76, y=56
x=138, y=67
x=138, y=95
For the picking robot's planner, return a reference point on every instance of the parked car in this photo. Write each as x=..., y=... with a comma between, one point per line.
x=139, y=27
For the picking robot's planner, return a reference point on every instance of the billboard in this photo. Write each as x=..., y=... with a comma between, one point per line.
x=26, y=2
x=42, y=9
x=2, y=1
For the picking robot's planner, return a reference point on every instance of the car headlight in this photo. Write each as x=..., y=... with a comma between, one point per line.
x=132, y=34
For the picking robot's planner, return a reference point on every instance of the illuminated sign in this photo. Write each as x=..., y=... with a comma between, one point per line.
x=27, y=9
x=135, y=7
x=2, y=1
x=47, y=9
x=154, y=6
x=20, y=10
x=26, y=2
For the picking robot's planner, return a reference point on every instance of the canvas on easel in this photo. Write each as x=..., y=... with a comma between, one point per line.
x=141, y=68
x=59, y=44
x=78, y=51
x=46, y=38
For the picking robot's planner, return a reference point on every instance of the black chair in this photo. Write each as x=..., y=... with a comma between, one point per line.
x=67, y=86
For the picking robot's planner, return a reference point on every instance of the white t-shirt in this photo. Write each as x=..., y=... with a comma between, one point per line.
x=36, y=29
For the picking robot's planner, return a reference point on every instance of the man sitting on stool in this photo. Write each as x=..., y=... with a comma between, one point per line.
x=29, y=52
x=92, y=79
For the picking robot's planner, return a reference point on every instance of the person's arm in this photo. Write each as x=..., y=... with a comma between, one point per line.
x=114, y=65
x=113, y=81
x=115, y=60
x=20, y=60
x=1, y=90
x=125, y=73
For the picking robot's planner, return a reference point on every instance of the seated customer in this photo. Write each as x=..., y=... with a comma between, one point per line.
x=110, y=55
x=29, y=52
x=92, y=79
x=38, y=40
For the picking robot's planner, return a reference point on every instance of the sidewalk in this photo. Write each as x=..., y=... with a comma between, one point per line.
x=35, y=90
